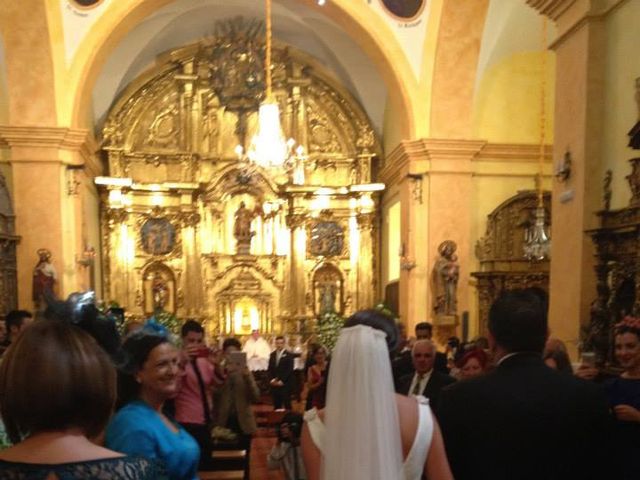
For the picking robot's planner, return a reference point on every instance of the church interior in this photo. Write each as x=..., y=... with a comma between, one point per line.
x=442, y=151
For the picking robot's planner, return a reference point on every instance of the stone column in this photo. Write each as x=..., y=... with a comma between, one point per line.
x=48, y=202
x=434, y=180
x=580, y=65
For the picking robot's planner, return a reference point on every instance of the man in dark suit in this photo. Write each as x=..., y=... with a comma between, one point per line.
x=524, y=420
x=281, y=375
x=403, y=362
x=426, y=381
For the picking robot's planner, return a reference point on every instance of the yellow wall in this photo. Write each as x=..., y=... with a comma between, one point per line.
x=507, y=102
x=622, y=67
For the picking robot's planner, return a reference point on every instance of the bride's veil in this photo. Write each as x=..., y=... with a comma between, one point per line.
x=362, y=437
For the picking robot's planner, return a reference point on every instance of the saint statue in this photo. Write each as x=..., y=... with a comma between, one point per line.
x=44, y=278
x=242, y=228
x=160, y=292
x=446, y=272
x=328, y=299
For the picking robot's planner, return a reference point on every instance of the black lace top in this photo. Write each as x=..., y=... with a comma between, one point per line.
x=119, y=468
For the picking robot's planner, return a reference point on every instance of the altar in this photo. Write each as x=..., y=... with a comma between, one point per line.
x=192, y=227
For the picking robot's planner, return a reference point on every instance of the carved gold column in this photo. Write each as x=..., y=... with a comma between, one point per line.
x=192, y=278
x=581, y=55
x=366, y=287
x=117, y=255
x=296, y=224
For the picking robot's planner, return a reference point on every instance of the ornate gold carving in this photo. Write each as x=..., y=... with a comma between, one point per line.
x=181, y=122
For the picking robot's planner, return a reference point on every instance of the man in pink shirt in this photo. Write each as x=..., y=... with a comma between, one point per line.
x=194, y=403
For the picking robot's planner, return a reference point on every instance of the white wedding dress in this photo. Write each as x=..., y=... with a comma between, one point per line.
x=360, y=436
x=413, y=466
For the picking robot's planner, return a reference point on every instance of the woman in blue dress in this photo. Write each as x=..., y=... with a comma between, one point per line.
x=624, y=397
x=150, y=376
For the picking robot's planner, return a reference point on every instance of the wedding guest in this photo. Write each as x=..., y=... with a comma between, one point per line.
x=57, y=392
x=517, y=421
x=286, y=454
x=624, y=398
x=473, y=364
x=234, y=399
x=148, y=378
x=317, y=378
x=280, y=374
x=558, y=360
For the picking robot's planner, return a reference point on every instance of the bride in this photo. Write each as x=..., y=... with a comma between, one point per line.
x=367, y=431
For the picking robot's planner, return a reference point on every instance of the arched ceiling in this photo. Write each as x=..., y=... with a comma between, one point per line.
x=511, y=27
x=186, y=21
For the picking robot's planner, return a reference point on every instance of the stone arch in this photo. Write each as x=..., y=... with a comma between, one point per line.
x=381, y=47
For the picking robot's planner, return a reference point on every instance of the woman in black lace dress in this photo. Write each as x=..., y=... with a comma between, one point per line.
x=57, y=391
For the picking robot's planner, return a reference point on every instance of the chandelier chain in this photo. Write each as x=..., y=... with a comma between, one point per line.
x=267, y=53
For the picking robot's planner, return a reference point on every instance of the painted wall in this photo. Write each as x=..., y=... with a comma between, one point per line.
x=622, y=67
x=507, y=102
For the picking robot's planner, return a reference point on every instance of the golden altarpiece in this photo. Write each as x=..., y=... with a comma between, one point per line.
x=177, y=191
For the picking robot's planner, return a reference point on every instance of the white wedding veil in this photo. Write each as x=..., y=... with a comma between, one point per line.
x=362, y=436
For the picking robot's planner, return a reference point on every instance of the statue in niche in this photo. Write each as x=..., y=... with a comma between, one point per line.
x=445, y=274
x=328, y=298
x=242, y=228
x=160, y=292
x=44, y=279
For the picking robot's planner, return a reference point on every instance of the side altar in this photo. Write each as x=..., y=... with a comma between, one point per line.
x=193, y=228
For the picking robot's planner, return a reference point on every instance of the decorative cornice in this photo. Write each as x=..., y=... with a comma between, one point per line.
x=444, y=155
x=52, y=138
x=513, y=152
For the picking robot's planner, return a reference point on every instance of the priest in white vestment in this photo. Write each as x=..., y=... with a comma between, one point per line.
x=258, y=351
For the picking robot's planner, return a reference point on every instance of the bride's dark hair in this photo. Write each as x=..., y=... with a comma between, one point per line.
x=379, y=321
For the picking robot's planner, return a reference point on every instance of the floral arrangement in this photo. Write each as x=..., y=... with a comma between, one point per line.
x=329, y=325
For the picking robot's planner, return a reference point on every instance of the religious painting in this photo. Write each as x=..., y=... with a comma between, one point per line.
x=327, y=290
x=158, y=236
x=404, y=9
x=159, y=289
x=327, y=239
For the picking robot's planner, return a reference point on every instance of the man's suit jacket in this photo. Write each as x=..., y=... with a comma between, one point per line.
x=284, y=369
x=403, y=365
x=431, y=390
x=525, y=421
x=237, y=394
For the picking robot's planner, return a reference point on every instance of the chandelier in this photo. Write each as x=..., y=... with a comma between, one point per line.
x=537, y=242
x=268, y=147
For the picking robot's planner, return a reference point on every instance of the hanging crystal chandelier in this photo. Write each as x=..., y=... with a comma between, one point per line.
x=537, y=241
x=268, y=147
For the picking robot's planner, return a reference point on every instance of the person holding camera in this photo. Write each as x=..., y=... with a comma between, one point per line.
x=194, y=403
x=286, y=454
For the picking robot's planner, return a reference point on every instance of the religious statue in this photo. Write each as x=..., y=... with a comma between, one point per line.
x=242, y=228
x=328, y=299
x=160, y=292
x=44, y=279
x=445, y=274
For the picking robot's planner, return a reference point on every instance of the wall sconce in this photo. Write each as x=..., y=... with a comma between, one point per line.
x=563, y=169
x=88, y=257
x=416, y=186
x=406, y=263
